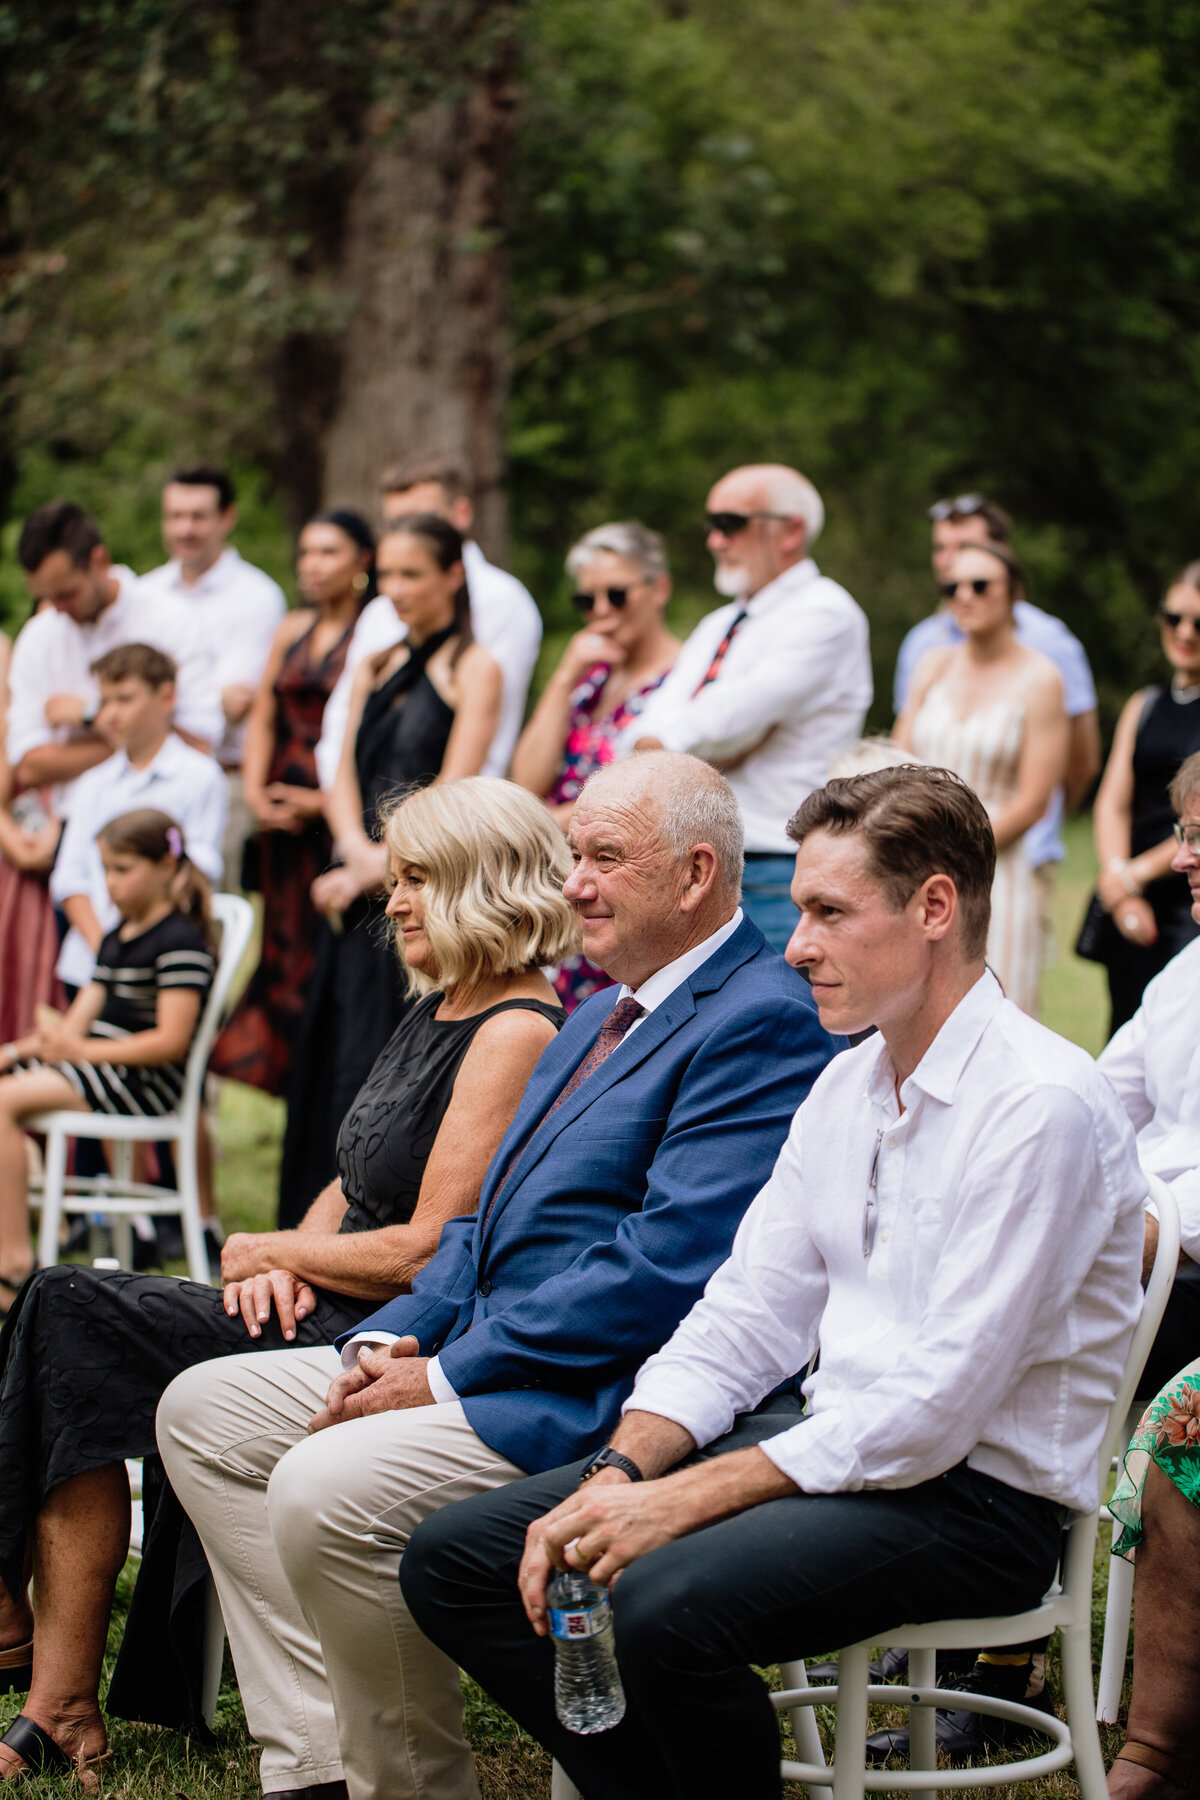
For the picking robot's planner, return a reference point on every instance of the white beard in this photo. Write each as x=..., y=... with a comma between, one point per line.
x=731, y=584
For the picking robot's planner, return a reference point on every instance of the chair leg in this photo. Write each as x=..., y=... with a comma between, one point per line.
x=850, y=1743
x=53, y=1184
x=214, y=1653
x=804, y=1719
x=1080, y=1699
x=922, y=1720
x=1117, y=1610
x=189, y=1208
x=561, y=1785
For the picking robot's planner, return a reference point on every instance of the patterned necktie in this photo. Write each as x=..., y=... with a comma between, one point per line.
x=714, y=667
x=611, y=1032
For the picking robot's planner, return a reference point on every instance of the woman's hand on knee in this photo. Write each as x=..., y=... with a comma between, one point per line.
x=292, y=1299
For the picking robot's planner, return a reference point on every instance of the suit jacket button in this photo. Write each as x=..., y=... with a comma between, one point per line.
x=485, y=1287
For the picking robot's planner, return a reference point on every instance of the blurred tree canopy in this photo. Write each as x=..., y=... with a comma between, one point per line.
x=913, y=250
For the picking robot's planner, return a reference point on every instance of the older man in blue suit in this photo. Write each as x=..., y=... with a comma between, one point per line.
x=646, y=1129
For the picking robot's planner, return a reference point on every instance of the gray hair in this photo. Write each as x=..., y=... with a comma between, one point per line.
x=624, y=537
x=696, y=806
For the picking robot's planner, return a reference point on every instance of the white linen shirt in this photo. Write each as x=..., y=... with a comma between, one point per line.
x=791, y=694
x=505, y=621
x=53, y=655
x=238, y=609
x=1037, y=630
x=1153, y=1063
x=180, y=781
x=653, y=991
x=993, y=1316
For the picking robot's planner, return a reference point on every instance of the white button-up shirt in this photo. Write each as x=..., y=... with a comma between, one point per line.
x=992, y=1317
x=238, y=609
x=791, y=694
x=1154, y=1064
x=653, y=991
x=505, y=621
x=53, y=655
x=180, y=781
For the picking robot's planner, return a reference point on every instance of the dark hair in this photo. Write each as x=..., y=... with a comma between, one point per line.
x=59, y=525
x=355, y=527
x=974, y=506
x=916, y=822
x=1018, y=586
x=152, y=666
x=153, y=834
x=206, y=475
x=1186, y=782
x=414, y=471
x=446, y=545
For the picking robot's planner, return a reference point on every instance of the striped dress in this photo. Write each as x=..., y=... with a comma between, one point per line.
x=132, y=972
x=985, y=749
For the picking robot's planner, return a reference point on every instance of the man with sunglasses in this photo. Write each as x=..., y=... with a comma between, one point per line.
x=771, y=687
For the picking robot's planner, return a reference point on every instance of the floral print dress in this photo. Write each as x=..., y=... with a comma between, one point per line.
x=1168, y=1433
x=591, y=744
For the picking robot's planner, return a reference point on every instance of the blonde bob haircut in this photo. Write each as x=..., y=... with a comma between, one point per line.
x=494, y=864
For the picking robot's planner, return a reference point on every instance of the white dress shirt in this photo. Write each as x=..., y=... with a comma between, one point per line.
x=238, y=609
x=1154, y=1064
x=505, y=621
x=657, y=988
x=53, y=655
x=183, y=782
x=792, y=693
x=992, y=1317
x=1037, y=630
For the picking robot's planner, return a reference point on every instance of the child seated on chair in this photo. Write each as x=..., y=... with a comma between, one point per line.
x=146, y=994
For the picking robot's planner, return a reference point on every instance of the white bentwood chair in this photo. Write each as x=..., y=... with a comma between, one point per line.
x=118, y=1194
x=1066, y=1608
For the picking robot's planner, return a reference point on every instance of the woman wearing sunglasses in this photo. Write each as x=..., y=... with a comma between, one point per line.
x=992, y=710
x=605, y=675
x=1149, y=908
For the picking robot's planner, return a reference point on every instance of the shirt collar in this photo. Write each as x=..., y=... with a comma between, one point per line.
x=473, y=560
x=160, y=767
x=664, y=981
x=798, y=576
x=214, y=577
x=937, y=1074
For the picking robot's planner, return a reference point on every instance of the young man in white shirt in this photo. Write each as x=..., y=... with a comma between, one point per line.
x=88, y=606
x=955, y=1221
x=236, y=606
x=504, y=617
x=149, y=766
x=772, y=687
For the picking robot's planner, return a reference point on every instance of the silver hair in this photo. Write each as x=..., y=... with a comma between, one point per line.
x=794, y=494
x=624, y=537
x=696, y=805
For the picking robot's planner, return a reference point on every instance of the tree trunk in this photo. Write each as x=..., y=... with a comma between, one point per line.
x=423, y=355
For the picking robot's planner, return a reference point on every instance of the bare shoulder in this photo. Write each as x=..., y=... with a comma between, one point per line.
x=478, y=664
x=1045, y=682
x=505, y=1048
x=293, y=626
x=932, y=667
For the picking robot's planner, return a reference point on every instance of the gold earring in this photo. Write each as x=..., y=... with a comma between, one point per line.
x=361, y=582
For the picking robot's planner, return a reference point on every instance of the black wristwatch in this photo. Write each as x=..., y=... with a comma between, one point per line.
x=608, y=1458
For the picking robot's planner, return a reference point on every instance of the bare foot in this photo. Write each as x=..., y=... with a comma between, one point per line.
x=77, y=1730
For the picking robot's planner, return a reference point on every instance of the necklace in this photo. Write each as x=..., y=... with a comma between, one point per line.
x=1184, y=691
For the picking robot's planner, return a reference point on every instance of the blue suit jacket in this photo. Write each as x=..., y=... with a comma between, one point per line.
x=599, y=1225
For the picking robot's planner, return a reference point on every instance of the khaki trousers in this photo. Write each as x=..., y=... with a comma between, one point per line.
x=304, y=1536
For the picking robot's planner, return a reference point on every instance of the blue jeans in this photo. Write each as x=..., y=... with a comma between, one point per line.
x=767, y=898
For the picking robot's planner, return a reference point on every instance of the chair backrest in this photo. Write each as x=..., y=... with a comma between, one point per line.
x=234, y=918
x=1154, y=1304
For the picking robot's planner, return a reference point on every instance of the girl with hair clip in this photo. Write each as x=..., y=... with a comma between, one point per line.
x=122, y=1046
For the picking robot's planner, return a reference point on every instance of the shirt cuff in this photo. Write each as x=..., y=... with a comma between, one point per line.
x=686, y=1399
x=439, y=1385
x=817, y=1455
x=375, y=1340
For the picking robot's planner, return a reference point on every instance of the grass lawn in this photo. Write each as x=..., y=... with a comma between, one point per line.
x=150, y=1764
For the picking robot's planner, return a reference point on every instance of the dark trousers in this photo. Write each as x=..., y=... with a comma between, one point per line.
x=790, y=1578
x=1176, y=1339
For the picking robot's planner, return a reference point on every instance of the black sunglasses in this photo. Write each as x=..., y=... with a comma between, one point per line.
x=730, y=523
x=1173, y=620
x=963, y=505
x=979, y=585
x=616, y=598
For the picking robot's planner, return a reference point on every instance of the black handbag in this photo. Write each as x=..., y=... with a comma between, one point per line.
x=1098, y=937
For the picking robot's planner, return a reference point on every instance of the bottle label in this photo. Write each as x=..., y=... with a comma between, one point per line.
x=581, y=1622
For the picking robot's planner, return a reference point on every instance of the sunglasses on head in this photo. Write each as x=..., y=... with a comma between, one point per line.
x=979, y=585
x=1188, y=837
x=1173, y=620
x=730, y=523
x=962, y=506
x=616, y=597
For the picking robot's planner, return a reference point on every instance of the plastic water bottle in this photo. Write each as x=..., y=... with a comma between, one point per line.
x=588, y=1695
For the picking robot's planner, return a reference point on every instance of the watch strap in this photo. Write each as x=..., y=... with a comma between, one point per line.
x=608, y=1458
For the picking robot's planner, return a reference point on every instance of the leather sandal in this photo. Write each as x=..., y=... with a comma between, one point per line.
x=16, y=1668
x=1182, y=1772
x=39, y=1752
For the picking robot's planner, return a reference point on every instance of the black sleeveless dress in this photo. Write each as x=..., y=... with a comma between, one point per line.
x=358, y=994
x=86, y=1353
x=1168, y=733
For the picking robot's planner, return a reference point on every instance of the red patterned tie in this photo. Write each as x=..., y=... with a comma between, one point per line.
x=611, y=1032
x=719, y=654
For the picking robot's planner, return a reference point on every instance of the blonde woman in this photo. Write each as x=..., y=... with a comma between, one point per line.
x=476, y=908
